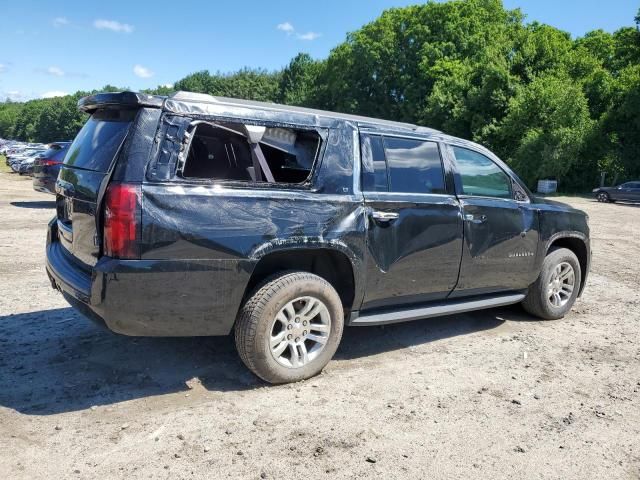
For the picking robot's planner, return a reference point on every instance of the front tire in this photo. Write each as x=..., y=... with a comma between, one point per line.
x=290, y=327
x=556, y=289
x=603, y=197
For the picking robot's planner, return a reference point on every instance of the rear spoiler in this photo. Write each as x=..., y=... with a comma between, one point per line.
x=119, y=99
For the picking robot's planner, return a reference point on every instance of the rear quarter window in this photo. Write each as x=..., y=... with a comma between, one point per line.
x=97, y=142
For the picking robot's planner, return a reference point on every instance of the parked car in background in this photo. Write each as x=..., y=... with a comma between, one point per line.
x=197, y=215
x=47, y=167
x=25, y=167
x=16, y=162
x=627, y=192
x=15, y=154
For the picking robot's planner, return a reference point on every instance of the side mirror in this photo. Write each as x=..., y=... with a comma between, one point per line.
x=255, y=133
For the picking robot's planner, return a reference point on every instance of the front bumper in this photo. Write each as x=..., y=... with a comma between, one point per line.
x=150, y=297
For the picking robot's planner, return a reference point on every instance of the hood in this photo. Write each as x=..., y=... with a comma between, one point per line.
x=549, y=204
x=548, y=201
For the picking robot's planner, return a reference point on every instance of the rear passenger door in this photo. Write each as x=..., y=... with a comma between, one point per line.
x=414, y=233
x=500, y=232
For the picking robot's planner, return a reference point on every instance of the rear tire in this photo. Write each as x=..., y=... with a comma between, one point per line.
x=556, y=289
x=290, y=327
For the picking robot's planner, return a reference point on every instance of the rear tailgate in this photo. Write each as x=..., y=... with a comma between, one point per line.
x=82, y=180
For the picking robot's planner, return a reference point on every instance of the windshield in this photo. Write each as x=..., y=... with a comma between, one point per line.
x=97, y=143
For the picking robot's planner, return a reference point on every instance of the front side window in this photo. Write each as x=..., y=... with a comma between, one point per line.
x=480, y=176
x=414, y=166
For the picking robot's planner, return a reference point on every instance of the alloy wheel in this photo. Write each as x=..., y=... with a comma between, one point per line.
x=561, y=285
x=300, y=332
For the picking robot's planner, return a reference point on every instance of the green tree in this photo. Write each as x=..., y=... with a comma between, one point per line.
x=251, y=84
x=620, y=124
x=298, y=82
x=550, y=105
x=543, y=134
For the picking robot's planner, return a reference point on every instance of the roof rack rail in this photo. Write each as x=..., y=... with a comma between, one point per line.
x=180, y=101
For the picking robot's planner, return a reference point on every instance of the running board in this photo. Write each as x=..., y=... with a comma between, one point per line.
x=435, y=310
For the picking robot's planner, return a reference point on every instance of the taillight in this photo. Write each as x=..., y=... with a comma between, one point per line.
x=122, y=216
x=47, y=162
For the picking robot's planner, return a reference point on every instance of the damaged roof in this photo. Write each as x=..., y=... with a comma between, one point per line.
x=201, y=104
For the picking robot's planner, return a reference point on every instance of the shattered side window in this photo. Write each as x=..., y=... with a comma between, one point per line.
x=221, y=151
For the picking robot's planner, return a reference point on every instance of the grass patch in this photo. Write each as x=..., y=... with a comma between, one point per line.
x=4, y=168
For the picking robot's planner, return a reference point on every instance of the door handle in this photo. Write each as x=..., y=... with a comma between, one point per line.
x=469, y=217
x=384, y=217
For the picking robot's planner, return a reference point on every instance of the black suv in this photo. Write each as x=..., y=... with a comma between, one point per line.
x=200, y=215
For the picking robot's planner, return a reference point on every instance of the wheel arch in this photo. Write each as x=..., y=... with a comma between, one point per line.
x=331, y=263
x=579, y=245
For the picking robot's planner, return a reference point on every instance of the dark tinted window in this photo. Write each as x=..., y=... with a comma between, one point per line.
x=55, y=152
x=374, y=166
x=60, y=154
x=51, y=152
x=414, y=166
x=480, y=176
x=97, y=143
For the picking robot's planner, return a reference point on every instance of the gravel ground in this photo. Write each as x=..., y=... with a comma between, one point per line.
x=491, y=394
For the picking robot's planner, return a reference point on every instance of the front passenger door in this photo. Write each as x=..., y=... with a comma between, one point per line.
x=500, y=233
x=635, y=192
x=625, y=192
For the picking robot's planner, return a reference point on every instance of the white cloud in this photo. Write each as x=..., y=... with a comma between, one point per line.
x=3, y=68
x=167, y=85
x=290, y=30
x=142, y=72
x=53, y=93
x=112, y=25
x=14, y=95
x=309, y=36
x=286, y=27
x=60, y=22
x=55, y=71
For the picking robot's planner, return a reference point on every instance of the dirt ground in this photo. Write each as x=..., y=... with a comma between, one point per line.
x=491, y=394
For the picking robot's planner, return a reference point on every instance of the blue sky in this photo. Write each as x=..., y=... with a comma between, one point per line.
x=51, y=48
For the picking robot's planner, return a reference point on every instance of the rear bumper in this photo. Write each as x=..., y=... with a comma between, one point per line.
x=151, y=297
x=44, y=184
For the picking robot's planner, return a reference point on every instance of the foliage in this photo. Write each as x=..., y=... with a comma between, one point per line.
x=550, y=105
x=246, y=83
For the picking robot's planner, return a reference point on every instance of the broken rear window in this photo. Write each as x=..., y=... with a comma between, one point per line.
x=233, y=151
